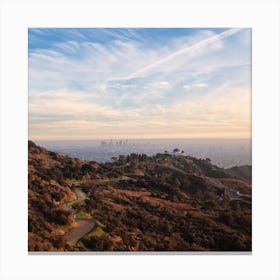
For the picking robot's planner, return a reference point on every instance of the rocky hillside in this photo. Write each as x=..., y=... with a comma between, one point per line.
x=137, y=203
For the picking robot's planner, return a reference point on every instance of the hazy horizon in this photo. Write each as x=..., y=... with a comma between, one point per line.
x=222, y=152
x=137, y=83
x=127, y=138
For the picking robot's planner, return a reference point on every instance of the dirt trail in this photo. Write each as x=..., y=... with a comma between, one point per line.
x=83, y=226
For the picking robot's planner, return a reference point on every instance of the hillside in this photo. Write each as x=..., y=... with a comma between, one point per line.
x=137, y=203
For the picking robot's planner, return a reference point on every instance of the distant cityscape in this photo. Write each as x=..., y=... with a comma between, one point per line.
x=222, y=152
x=117, y=143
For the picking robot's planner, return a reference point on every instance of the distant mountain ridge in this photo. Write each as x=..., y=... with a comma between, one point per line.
x=138, y=203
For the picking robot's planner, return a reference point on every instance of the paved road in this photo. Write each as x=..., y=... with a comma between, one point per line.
x=80, y=197
x=83, y=226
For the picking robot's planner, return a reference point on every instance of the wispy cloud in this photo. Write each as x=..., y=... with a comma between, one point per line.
x=124, y=82
x=183, y=51
x=124, y=34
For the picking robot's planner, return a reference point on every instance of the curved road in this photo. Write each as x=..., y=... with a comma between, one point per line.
x=83, y=226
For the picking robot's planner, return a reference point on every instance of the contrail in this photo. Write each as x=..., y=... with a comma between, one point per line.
x=195, y=46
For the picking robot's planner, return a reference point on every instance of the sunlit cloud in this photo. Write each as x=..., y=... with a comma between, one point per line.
x=195, y=85
x=121, y=83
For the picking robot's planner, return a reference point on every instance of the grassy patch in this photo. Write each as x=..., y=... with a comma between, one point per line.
x=82, y=215
x=76, y=182
x=82, y=245
x=79, y=205
x=100, y=224
x=111, y=182
x=96, y=232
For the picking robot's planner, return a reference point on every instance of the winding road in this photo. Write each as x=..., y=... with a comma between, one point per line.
x=83, y=226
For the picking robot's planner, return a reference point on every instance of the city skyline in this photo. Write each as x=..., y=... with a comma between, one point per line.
x=139, y=83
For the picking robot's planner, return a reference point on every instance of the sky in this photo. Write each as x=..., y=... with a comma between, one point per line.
x=135, y=83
